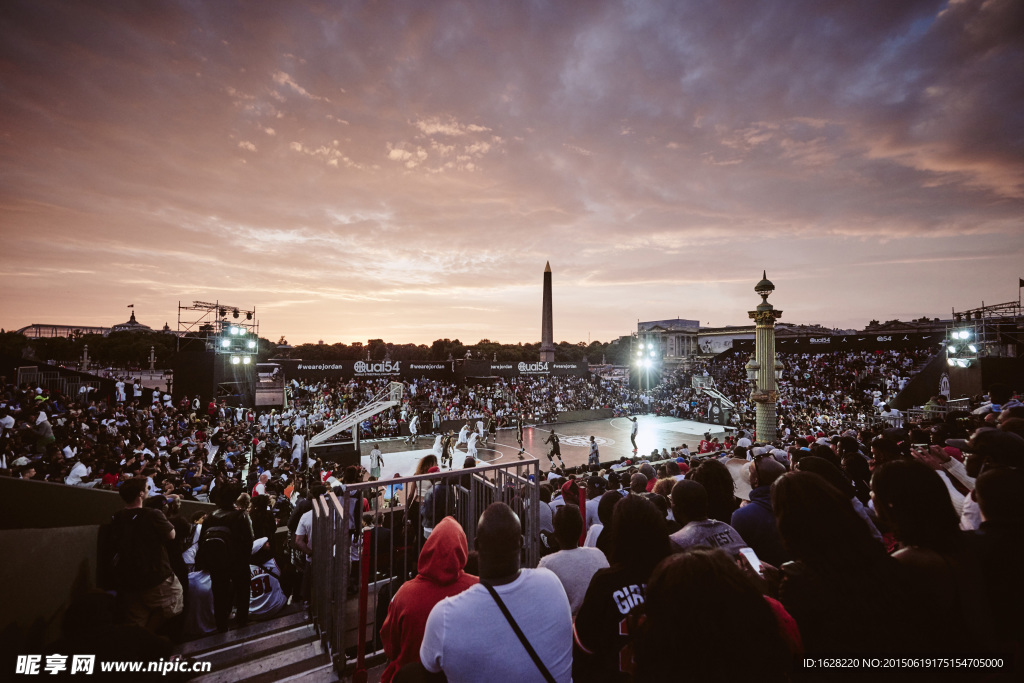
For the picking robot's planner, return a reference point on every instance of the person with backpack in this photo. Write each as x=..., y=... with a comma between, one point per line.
x=139, y=568
x=224, y=548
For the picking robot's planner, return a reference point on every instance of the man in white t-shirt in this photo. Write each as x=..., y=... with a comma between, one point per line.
x=81, y=474
x=744, y=441
x=462, y=631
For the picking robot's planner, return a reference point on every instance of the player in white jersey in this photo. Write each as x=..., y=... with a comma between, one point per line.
x=463, y=434
x=471, y=445
x=414, y=429
x=436, y=450
x=480, y=431
x=265, y=595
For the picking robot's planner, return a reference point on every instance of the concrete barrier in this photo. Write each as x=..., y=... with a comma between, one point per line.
x=28, y=504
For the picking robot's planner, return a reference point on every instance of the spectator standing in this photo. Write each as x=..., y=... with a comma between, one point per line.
x=140, y=570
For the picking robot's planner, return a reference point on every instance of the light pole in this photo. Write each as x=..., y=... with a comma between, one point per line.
x=764, y=369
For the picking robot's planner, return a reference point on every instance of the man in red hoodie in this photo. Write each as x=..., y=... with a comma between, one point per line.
x=440, y=576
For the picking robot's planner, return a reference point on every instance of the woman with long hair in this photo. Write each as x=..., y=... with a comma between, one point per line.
x=607, y=619
x=705, y=588
x=716, y=479
x=947, y=583
x=844, y=591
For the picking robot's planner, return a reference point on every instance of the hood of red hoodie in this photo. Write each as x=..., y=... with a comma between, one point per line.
x=444, y=555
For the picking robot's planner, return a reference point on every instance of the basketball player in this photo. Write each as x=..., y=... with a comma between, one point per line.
x=471, y=445
x=556, y=449
x=414, y=428
x=632, y=432
x=593, y=458
x=436, y=450
x=519, y=435
x=480, y=430
x=446, y=449
x=463, y=434
x=492, y=428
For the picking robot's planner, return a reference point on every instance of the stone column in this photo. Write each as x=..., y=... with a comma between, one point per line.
x=547, y=342
x=765, y=393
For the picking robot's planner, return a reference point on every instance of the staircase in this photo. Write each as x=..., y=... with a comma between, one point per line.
x=286, y=648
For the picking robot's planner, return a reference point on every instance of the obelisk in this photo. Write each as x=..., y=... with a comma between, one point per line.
x=547, y=345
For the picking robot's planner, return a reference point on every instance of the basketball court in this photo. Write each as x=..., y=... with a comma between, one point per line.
x=611, y=435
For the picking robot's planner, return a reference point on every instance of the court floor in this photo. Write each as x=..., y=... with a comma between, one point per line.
x=611, y=435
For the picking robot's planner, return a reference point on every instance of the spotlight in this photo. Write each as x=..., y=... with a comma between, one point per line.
x=251, y=344
x=951, y=361
x=977, y=315
x=961, y=362
x=951, y=349
x=647, y=363
x=246, y=360
x=234, y=313
x=235, y=360
x=225, y=343
x=652, y=354
x=973, y=348
x=965, y=334
x=223, y=312
x=233, y=330
x=248, y=315
x=639, y=354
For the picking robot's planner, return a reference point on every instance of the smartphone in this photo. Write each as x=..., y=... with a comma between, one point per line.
x=751, y=557
x=922, y=446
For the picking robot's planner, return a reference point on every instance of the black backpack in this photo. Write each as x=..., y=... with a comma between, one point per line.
x=216, y=544
x=134, y=555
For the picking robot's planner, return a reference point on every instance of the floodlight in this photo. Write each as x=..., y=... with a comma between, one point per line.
x=652, y=354
x=225, y=343
x=951, y=349
x=233, y=330
x=251, y=343
x=951, y=361
x=639, y=354
x=246, y=360
x=973, y=348
x=235, y=360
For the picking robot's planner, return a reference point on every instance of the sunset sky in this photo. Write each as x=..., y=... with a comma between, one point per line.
x=403, y=170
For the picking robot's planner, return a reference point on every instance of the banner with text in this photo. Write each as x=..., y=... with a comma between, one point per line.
x=848, y=342
x=439, y=370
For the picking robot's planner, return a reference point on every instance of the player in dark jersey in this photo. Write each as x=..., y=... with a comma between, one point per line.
x=556, y=449
x=446, y=449
x=519, y=435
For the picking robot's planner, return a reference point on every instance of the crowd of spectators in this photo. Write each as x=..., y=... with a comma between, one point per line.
x=838, y=390
x=873, y=541
x=883, y=542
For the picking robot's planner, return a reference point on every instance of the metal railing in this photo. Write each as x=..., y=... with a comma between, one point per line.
x=358, y=566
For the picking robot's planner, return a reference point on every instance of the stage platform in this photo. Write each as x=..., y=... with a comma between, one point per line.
x=612, y=436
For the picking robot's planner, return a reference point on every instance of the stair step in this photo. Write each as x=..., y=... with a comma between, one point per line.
x=321, y=674
x=194, y=648
x=272, y=667
x=266, y=644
